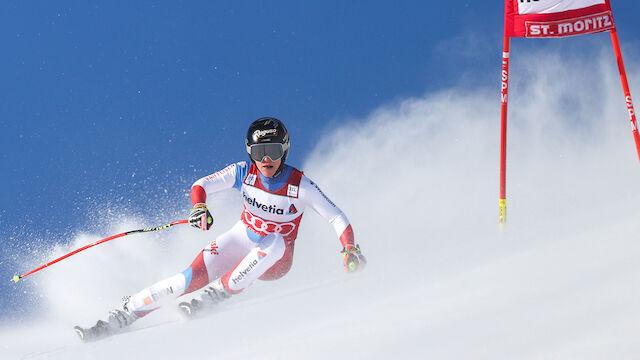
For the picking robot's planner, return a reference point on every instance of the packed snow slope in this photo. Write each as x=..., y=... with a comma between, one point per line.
x=419, y=180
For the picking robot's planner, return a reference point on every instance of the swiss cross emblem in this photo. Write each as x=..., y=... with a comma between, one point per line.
x=251, y=179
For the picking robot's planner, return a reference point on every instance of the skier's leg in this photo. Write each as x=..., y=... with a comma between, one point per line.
x=154, y=296
x=211, y=263
x=268, y=251
x=136, y=306
x=218, y=257
x=263, y=253
x=282, y=266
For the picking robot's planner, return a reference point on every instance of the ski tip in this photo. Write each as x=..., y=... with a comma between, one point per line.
x=186, y=309
x=16, y=278
x=80, y=332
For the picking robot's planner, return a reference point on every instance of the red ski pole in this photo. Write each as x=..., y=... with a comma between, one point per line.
x=16, y=278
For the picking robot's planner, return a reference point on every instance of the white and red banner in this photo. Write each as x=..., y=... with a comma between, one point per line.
x=556, y=18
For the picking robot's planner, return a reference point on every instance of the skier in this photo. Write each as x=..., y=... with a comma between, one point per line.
x=259, y=246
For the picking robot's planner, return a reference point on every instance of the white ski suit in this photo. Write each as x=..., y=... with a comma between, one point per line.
x=260, y=245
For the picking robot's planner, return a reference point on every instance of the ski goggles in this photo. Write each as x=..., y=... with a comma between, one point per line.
x=274, y=151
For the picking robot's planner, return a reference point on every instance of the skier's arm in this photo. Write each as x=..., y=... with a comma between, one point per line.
x=226, y=178
x=200, y=217
x=321, y=204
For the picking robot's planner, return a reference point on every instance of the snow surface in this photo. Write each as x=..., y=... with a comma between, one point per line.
x=418, y=179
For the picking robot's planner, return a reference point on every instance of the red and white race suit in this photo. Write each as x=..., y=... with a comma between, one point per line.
x=260, y=245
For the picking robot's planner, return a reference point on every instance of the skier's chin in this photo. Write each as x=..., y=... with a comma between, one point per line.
x=269, y=169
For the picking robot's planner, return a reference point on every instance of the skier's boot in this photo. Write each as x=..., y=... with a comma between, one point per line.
x=117, y=320
x=211, y=296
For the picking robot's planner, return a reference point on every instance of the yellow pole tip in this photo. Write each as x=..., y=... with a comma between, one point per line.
x=16, y=278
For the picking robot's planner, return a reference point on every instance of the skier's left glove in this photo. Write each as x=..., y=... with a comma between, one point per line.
x=353, y=258
x=200, y=217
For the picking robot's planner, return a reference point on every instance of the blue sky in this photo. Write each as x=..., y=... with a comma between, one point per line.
x=116, y=100
x=127, y=103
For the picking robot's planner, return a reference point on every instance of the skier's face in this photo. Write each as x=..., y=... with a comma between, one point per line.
x=268, y=167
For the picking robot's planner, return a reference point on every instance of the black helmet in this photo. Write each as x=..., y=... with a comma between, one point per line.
x=267, y=136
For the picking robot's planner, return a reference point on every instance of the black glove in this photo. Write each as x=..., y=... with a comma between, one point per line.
x=353, y=258
x=200, y=217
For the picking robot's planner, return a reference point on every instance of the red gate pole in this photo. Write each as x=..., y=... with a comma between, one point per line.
x=625, y=88
x=503, y=131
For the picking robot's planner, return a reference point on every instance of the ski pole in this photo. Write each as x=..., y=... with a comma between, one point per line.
x=16, y=278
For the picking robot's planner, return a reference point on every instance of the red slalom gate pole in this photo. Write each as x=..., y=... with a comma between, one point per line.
x=16, y=278
x=625, y=88
x=503, y=130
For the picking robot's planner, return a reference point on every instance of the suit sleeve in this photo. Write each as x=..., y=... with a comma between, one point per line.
x=229, y=177
x=321, y=204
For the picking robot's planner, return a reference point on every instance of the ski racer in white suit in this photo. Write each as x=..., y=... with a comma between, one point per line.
x=259, y=246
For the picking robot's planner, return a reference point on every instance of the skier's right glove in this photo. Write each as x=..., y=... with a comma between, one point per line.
x=353, y=258
x=200, y=217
